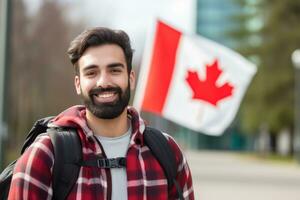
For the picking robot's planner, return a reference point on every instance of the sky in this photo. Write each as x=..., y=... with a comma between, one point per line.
x=136, y=17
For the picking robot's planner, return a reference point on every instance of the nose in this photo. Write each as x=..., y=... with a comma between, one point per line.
x=104, y=80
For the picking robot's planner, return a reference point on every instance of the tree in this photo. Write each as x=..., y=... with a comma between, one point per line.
x=281, y=36
x=18, y=76
x=40, y=76
x=270, y=97
x=269, y=101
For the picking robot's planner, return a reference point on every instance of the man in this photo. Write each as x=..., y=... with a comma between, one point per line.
x=104, y=78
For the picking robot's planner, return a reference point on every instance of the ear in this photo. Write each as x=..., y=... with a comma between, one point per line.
x=132, y=80
x=77, y=84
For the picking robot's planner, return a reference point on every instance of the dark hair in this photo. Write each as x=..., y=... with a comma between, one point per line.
x=99, y=36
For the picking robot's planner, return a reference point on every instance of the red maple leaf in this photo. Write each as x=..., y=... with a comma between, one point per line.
x=207, y=90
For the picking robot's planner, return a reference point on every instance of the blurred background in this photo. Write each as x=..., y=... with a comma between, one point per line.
x=257, y=155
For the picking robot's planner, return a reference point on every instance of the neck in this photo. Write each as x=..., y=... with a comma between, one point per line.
x=108, y=127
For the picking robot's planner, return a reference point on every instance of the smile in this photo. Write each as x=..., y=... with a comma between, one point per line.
x=105, y=97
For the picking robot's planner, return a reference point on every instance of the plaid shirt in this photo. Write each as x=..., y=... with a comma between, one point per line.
x=145, y=177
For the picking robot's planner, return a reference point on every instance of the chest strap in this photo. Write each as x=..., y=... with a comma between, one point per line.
x=119, y=162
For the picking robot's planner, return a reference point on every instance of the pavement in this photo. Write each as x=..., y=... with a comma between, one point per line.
x=231, y=176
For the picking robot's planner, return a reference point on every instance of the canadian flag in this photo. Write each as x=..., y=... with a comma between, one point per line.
x=192, y=81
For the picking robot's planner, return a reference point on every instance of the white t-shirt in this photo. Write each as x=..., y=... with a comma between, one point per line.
x=117, y=147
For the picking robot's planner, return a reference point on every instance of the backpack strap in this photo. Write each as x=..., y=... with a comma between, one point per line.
x=161, y=149
x=67, y=153
x=119, y=162
x=40, y=126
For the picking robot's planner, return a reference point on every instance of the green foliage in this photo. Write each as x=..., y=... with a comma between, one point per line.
x=270, y=98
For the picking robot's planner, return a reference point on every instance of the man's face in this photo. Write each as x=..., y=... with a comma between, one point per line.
x=103, y=81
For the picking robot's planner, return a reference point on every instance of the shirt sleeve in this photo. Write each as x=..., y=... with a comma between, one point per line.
x=184, y=176
x=32, y=173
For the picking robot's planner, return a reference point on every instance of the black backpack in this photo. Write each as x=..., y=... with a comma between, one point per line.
x=67, y=163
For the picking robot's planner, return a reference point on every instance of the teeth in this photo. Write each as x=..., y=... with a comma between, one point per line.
x=105, y=95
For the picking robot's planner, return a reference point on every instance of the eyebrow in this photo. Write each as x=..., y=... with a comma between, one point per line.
x=89, y=67
x=113, y=65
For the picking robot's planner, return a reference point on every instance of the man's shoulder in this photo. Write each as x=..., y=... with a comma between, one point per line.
x=174, y=146
x=171, y=140
x=37, y=154
x=42, y=142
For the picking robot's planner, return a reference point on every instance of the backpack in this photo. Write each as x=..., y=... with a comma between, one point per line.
x=67, y=162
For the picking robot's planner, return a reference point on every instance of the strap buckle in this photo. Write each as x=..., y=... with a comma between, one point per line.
x=111, y=163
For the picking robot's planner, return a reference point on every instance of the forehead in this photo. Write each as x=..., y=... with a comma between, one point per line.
x=102, y=55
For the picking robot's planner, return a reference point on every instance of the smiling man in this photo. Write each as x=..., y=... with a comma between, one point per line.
x=107, y=127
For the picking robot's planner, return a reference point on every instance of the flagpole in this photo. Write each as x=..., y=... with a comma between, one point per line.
x=4, y=30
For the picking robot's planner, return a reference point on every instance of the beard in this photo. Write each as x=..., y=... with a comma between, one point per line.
x=108, y=110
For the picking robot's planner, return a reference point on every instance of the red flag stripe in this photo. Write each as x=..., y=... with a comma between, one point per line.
x=161, y=69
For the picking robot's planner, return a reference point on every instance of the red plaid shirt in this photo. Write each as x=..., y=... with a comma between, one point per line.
x=145, y=177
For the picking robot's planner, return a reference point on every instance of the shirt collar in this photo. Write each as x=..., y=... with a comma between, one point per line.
x=76, y=117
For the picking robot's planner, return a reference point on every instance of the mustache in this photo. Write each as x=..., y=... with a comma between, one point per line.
x=99, y=90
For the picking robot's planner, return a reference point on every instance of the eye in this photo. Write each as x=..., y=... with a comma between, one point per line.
x=116, y=70
x=91, y=73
